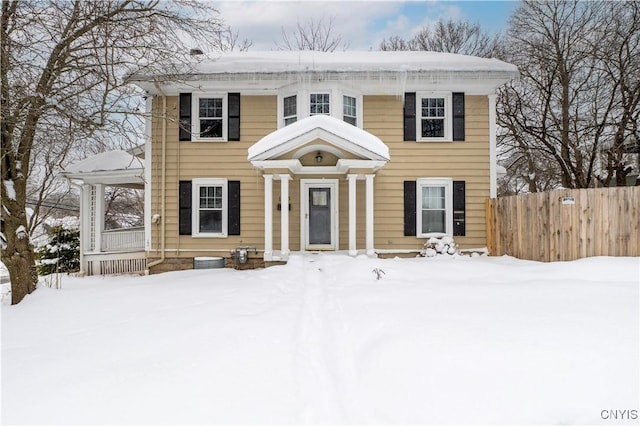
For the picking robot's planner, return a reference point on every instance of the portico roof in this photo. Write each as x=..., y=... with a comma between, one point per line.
x=330, y=129
x=118, y=168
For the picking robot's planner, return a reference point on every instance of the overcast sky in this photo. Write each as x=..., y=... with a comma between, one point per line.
x=362, y=24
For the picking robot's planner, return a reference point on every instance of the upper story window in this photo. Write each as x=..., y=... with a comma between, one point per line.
x=294, y=105
x=210, y=212
x=319, y=103
x=290, y=109
x=434, y=112
x=434, y=207
x=210, y=117
x=349, y=110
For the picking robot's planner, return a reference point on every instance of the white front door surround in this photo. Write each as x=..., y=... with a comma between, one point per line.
x=360, y=155
x=319, y=214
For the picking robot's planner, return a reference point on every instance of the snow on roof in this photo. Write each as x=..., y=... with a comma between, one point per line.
x=350, y=61
x=348, y=136
x=106, y=161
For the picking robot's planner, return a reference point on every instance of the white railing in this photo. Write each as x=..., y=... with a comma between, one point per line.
x=123, y=239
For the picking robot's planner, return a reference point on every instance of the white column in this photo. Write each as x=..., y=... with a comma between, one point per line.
x=369, y=213
x=85, y=229
x=493, y=159
x=98, y=224
x=353, y=251
x=147, y=173
x=284, y=216
x=268, y=217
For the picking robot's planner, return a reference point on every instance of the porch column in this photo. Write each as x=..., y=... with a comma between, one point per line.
x=493, y=158
x=85, y=226
x=268, y=217
x=98, y=224
x=369, y=213
x=284, y=216
x=353, y=251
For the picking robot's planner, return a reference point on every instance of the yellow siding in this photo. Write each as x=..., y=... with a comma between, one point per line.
x=382, y=116
x=468, y=161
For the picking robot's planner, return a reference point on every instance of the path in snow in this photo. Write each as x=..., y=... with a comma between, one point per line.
x=324, y=361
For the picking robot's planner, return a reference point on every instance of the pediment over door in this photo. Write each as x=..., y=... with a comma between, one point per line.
x=337, y=147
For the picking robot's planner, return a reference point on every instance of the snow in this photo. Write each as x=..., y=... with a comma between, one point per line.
x=348, y=137
x=321, y=340
x=349, y=61
x=10, y=189
x=21, y=232
x=106, y=161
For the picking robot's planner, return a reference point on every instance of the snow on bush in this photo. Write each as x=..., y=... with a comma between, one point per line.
x=439, y=246
x=61, y=253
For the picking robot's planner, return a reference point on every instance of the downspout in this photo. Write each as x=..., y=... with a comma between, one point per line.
x=163, y=185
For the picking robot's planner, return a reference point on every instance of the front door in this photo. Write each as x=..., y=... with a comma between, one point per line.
x=319, y=214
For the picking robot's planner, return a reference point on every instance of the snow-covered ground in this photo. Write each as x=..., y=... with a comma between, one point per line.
x=321, y=340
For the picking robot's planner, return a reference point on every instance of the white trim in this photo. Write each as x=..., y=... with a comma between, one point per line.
x=268, y=217
x=353, y=251
x=195, y=116
x=98, y=218
x=369, y=215
x=448, y=119
x=342, y=166
x=147, y=173
x=493, y=159
x=334, y=186
x=195, y=209
x=447, y=183
x=284, y=215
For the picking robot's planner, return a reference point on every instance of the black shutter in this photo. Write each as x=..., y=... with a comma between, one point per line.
x=458, y=116
x=459, y=203
x=410, y=208
x=234, y=117
x=233, y=219
x=410, y=117
x=184, y=203
x=185, y=117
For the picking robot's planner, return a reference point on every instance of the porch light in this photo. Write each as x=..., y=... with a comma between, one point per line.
x=319, y=157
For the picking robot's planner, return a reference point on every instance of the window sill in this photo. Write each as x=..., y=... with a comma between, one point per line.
x=434, y=140
x=434, y=235
x=201, y=235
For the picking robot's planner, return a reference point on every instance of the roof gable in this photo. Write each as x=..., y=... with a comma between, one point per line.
x=330, y=129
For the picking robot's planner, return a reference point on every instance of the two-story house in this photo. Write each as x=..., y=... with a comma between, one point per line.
x=361, y=152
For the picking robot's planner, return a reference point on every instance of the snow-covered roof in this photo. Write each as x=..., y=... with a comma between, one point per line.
x=115, y=168
x=337, y=132
x=349, y=61
x=106, y=161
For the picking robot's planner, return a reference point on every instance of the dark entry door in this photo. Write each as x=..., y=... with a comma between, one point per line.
x=319, y=216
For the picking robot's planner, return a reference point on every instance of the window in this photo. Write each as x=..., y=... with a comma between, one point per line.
x=434, y=113
x=211, y=117
x=320, y=103
x=434, y=207
x=349, y=110
x=290, y=110
x=210, y=212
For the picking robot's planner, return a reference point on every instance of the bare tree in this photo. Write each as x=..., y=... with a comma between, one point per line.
x=61, y=84
x=312, y=35
x=568, y=120
x=227, y=41
x=461, y=36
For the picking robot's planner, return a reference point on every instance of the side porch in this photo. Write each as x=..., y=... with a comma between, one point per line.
x=108, y=251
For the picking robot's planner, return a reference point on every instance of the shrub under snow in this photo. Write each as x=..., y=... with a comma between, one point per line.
x=439, y=246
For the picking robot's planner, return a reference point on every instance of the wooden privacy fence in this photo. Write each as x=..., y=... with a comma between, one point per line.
x=565, y=224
